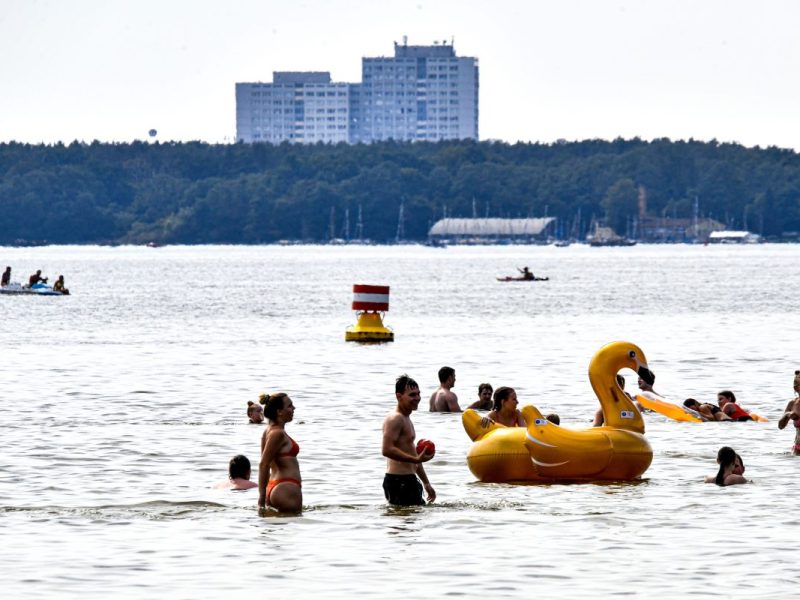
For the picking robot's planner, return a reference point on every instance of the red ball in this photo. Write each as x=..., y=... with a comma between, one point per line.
x=426, y=446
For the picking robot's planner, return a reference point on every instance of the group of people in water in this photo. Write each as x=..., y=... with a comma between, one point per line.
x=35, y=279
x=405, y=482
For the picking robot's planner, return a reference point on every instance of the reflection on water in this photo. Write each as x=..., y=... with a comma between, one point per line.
x=124, y=402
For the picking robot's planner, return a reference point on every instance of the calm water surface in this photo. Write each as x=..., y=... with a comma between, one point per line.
x=124, y=402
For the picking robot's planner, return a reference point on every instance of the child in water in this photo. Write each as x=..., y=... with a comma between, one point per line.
x=238, y=475
x=254, y=412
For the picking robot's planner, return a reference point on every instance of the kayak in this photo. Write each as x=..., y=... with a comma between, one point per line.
x=522, y=279
x=37, y=289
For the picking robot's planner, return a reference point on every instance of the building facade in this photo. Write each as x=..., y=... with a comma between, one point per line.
x=422, y=93
x=305, y=108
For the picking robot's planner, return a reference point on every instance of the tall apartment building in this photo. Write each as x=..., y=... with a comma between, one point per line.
x=296, y=107
x=422, y=93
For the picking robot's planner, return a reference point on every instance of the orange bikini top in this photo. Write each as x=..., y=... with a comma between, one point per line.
x=293, y=451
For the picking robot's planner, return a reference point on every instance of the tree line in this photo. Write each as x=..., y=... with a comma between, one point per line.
x=196, y=193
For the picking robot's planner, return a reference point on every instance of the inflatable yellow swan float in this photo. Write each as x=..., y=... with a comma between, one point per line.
x=546, y=452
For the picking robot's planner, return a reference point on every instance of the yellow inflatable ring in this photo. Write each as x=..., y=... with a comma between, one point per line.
x=546, y=452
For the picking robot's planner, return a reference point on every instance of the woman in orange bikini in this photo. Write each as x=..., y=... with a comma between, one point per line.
x=279, y=472
x=505, y=409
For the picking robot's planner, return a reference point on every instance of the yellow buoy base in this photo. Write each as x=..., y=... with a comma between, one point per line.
x=369, y=328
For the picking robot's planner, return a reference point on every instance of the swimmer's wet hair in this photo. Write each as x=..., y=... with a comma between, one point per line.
x=403, y=383
x=725, y=457
x=239, y=467
x=485, y=386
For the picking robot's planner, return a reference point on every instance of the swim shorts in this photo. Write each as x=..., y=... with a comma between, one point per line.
x=403, y=490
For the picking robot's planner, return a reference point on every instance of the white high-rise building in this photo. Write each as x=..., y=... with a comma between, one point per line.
x=296, y=107
x=422, y=93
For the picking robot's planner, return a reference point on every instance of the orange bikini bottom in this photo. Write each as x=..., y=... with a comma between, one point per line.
x=273, y=482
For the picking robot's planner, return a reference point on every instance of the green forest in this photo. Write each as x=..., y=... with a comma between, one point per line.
x=197, y=193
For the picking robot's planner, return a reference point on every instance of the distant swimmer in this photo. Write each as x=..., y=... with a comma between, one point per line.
x=726, y=458
x=484, y=401
x=727, y=403
x=706, y=412
x=443, y=399
x=238, y=474
x=279, y=483
x=405, y=476
x=254, y=412
x=6, y=277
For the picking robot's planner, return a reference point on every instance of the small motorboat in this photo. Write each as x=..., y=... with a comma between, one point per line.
x=38, y=289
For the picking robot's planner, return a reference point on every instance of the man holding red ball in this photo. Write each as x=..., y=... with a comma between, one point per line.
x=404, y=469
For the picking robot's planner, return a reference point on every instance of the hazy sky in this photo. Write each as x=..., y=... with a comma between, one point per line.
x=575, y=69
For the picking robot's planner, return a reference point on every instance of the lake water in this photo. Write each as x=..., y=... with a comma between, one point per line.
x=123, y=403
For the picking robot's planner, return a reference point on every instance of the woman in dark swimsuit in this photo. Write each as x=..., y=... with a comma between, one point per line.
x=279, y=483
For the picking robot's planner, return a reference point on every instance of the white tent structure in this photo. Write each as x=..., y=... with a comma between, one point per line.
x=733, y=237
x=489, y=229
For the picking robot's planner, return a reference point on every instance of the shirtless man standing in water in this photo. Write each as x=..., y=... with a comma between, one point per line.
x=404, y=469
x=443, y=400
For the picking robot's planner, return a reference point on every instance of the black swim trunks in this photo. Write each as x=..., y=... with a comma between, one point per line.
x=403, y=490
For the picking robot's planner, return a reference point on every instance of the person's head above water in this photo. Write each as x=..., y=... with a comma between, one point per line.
x=691, y=403
x=445, y=373
x=239, y=467
x=255, y=412
x=725, y=396
x=403, y=383
x=621, y=381
x=503, y=394
x=277, y=406
x=485, y=392
x=726, y=457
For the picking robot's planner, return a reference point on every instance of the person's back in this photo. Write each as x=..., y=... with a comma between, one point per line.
x=443, y=399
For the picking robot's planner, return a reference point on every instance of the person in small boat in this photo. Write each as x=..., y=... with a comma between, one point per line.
x=6, y=277
x=792, y=413
x=238, y=474
x=254, y=412
x=707, y=412
x=36, y=278
x=484, y=401
x=727, y=403
x=526, y=274
x=505, y=409
x=58, y=286
x=726, y=459
x=279, y=483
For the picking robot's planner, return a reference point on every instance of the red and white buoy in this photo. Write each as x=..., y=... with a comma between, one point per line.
x=370, y=301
